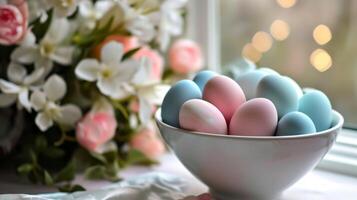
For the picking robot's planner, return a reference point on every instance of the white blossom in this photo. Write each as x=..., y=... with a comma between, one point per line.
x=63, y=8
x=169, y=21
x=90, y=13
x=19, y=85
x=112, y=75
x=51, y=48
x=49, y=111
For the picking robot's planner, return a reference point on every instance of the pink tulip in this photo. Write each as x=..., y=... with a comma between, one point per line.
x=185, y=56
x=95, y=129
x=13, y=21
x=147, y=142
x=155, y=59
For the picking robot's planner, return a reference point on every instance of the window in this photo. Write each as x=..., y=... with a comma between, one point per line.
x=313, y=42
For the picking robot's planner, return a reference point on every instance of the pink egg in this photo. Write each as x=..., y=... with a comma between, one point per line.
x=202, y=116
x=256, y=117
x=225, y=94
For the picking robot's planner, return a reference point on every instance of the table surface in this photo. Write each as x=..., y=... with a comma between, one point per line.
x=317, y=184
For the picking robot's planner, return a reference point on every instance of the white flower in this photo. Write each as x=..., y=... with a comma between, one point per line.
x=63, y=8
x=111, y=74
x=169, y=21
x=19, y=85
x=49, y=110
x=90, y=13
x=50, y=48
x=37, y=9
x=148, y=91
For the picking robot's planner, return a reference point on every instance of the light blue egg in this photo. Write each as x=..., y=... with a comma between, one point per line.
x=317, y=106
x=203, y=77
x=268, y=70
x=295, y=123
x=239, y=67
x=249, y=82
x=280, y=91
x=177, y=95
x=297, y=88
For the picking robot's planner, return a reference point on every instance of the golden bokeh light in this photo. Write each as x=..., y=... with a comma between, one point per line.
x=262, y=41
x=280, y=30
x=321, y=60
x=286, y=3
x=322, y=34
x=251, y=53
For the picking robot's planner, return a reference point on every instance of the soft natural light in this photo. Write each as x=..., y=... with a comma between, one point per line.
x=251, y=53
x=286, y=3
x=262, y=41
x=321, y=60
x=322, y=34
x=280, y=30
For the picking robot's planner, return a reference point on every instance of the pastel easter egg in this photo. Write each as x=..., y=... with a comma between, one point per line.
x=202, y=116
x=296, y=86
x=280, y=91
x=317, y=106
x=249, y=82
x=268, y=70
x=178, y=94
x=256, y=117
x=239, y=67
x=203, y=77
x=225, y=94
x=295, y=123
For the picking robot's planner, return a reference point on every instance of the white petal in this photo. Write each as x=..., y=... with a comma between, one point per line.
x=58, y=30
x=124, y=90
x=154, y=93
x=55, y=88
x=144, y=111
x=38, y=100
x=43, y=121
x=29, y=39
x=107, y=86
x=24, y=99
x=25, y=54
x=112, y=53
x=70, y=114
x=8, y=87
x=88, y=69
x=16, y=72
x=127, y=70
x=7, y=99
x=142, y=76
x=44, y=62
x=63, y=55
x=36, y=75
x=141, y=27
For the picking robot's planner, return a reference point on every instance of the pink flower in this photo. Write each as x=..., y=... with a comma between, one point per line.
x=134, y=106
x=155, y=59
x=95, y=129
x=147, y=142
x=128, y=42
x=13, y=21
x=185, y=56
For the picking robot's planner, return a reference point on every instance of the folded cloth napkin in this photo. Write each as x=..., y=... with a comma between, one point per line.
x=150, y=186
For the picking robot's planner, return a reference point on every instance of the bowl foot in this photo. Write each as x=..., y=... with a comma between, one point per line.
x=228, y=196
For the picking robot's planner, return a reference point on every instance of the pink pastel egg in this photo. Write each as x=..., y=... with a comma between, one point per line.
x=202, y=116
x=225, y=94
x=256, y=117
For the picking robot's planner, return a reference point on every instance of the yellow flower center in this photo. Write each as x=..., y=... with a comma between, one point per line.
x=106, y=73
x=67, y=3
x=47, y=48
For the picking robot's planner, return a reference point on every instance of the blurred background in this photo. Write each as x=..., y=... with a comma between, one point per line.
x=314, y=42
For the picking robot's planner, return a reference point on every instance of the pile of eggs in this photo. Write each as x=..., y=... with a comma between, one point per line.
x=259, y=102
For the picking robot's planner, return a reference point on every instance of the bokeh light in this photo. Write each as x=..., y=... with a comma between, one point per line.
x=321, y=60
x=262, y=41
x=286, y=3
x=322, y=34
x=251, y=53
x=280, y=30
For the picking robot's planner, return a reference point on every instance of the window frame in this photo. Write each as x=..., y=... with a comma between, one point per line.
x=203, y=26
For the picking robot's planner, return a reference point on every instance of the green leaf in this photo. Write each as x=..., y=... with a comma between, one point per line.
x=25, y=168
x=67, y=173
x=98, y=157
x=40, y=143
x=136, y=157
x=40, y=29
x=95, y=172
x=130, y=53
x=53, y=152
x=33, y=156
x=48, y=180
x=71, y=188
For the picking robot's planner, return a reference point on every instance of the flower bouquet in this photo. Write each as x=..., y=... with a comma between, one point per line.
x=80, y=81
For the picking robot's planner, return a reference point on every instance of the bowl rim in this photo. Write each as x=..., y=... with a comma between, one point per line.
x=340, y=121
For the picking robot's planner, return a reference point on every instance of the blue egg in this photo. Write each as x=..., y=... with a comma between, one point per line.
x=249, y=82
x=317, y=106
x=268, y=70
x=280, y=91
x=203, y=77
x=178, y=94
x=296, y=86
x=239, y=67
x=295, y=123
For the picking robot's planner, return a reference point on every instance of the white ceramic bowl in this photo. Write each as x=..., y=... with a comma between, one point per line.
x=243, y=167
